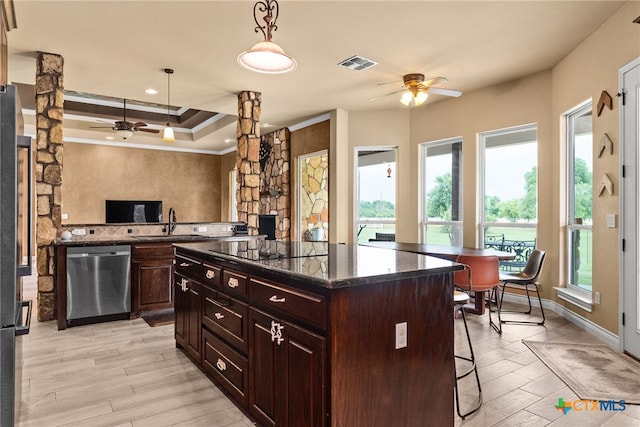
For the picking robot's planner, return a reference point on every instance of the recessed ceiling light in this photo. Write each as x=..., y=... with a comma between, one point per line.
x=151, y=91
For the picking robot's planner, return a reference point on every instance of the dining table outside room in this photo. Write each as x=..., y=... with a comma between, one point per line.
x=450, y=253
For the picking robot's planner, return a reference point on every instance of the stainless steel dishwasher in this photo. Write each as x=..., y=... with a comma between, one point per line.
x=98, y=283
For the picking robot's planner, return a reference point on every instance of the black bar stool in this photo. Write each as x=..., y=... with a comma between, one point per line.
x=459, y=301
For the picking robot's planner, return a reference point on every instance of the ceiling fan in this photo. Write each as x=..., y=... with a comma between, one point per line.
x=124, y=128
x=415, y=89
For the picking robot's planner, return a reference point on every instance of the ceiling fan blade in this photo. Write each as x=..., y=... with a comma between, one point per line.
x=387, y=94
x=138, y=124
x=446, y=92
x=434, y=81
x=148, y=130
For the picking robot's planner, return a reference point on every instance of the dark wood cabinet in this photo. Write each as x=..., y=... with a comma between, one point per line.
x=286, y=372
x=151, y=277
x=188, y=316
x=293, y=353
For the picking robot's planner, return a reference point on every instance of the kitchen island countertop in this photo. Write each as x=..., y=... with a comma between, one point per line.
x=324, y=265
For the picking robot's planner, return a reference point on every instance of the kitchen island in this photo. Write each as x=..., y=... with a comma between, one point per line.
x=315, y=334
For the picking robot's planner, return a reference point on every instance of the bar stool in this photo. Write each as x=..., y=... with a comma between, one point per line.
x=459, y=300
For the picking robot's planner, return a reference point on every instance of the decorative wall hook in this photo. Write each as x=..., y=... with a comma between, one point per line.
x=606, y=184
x=605, y=101
x=605, y=142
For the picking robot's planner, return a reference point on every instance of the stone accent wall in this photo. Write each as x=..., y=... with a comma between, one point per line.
x=49, y=108
x=274, y=182
x=248, y=159
x=314, y=195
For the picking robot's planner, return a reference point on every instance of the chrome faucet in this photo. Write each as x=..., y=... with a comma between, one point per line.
x=172, y=222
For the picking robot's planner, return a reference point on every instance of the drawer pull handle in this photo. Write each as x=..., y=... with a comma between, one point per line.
x=211, y=274
x=219, y=315
x=185, y=264
x=221, y=365
x=276, y=332
x=276, y=299
x=232, y=282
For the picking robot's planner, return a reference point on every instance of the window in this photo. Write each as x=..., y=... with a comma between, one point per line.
x=580, y=197
x=442, y=192
x=509, y=192
x=376, y=194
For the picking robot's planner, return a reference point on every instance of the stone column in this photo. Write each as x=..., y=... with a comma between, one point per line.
x=49, y=108
x=248, y=159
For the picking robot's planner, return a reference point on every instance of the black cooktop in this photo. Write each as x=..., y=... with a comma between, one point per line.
x=270, y=249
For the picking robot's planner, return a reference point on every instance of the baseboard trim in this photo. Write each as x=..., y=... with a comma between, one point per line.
x=599, y=332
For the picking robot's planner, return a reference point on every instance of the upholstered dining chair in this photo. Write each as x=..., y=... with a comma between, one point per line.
x=526, y=279
x=480, y=275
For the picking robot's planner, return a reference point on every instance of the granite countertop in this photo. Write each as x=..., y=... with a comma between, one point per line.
x=90, y=240
x=326, y=265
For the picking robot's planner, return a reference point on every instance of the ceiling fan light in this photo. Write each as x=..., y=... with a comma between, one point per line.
x=267, y=57
x=124, y=133
x=406, y=98
x=420, y=98
x=168, y=135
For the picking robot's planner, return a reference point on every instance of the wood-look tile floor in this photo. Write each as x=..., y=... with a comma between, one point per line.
x=126, y=373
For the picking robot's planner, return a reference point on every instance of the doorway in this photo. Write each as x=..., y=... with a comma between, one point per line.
x=313, y=196
x=629, y=77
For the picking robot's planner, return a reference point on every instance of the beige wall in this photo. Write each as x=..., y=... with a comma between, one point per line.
x=588, y=70
x=190, y=183
x=227, y=164
x=540, y=98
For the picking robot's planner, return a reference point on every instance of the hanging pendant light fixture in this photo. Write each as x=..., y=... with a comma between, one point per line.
x=266, y=56
x=168, y=135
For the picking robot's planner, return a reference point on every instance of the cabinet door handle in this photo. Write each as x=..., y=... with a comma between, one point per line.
x=183, y=285
x=276, y=299
x=232, y=282
x=185, y=264
x=219, y=315
x=210, y=274
x=276, y=332
x=221, y=365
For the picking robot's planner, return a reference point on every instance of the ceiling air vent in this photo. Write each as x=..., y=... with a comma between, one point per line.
x=357, y=63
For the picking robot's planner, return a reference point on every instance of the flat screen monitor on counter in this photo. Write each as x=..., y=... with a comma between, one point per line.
x=132, y=211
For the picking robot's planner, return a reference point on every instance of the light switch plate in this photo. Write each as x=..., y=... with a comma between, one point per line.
x=611, y=220
x=401, y=335
x=79, y=232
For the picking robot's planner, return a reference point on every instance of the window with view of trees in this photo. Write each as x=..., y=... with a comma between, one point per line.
x=376, y=194
x=509, y=191
x=580, y=197
x=442, y=198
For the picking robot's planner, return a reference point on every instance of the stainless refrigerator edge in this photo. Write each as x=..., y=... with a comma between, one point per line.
x=15, y=314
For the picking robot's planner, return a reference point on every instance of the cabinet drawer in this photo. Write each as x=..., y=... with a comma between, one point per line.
x=226, y=316
x=211, y=275
x=234, y=283
x=152, y=252
x=308, y=307
x=189, y=267
x=228, y=367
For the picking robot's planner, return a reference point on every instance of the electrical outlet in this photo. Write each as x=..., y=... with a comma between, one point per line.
x=611, y=220
x=79, y=231
x=64, y=216
x=202, y=229
x=401, y=335
x=597, y=297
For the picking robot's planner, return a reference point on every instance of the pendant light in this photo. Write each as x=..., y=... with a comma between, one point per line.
x=266, y=56
x=168, y=135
